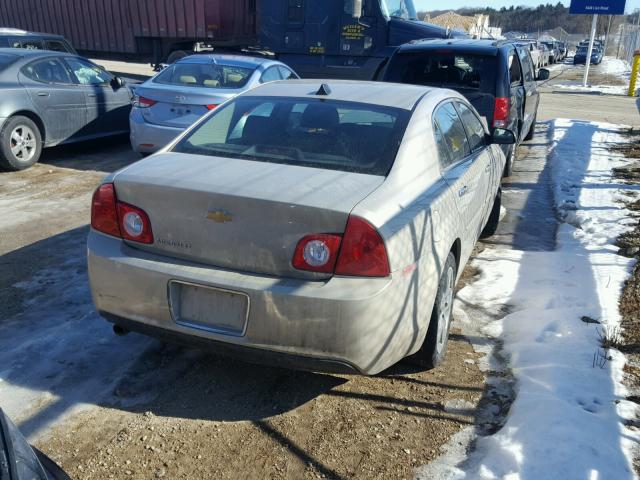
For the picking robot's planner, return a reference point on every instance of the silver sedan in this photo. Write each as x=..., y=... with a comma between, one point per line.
x=170, y=102
x=317, y=226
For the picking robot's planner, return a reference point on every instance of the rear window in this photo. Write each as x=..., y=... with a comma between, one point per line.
x=326, y=134
x=204, y=75
x=444, y=69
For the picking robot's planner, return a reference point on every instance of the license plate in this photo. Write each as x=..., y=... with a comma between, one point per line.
x=207, y=308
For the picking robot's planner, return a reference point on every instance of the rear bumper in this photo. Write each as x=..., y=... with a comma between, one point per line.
x=147, y=137
x=344, y=324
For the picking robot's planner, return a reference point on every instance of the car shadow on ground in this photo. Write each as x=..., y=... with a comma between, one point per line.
x=103, y=154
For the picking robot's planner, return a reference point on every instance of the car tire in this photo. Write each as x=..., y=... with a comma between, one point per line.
x=20, y=143
x=494, y=217
x=511, y=158
x=434, y=348
x=532, y=129
x=176, y=55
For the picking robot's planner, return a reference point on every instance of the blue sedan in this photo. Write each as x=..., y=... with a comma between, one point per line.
x=581, y=56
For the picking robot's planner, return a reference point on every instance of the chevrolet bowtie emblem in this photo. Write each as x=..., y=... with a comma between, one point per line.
x=219, y=216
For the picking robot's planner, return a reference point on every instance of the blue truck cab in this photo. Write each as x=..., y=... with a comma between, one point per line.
x=350, y=39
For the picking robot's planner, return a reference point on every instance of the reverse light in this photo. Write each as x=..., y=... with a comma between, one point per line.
x=119, y=219
x=501, y=113
x=363, y=252
x=317, y=253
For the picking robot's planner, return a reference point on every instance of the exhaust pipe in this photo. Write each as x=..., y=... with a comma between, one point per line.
x=120, y=331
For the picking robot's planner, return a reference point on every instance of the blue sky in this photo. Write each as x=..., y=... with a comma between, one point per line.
x=454, y=4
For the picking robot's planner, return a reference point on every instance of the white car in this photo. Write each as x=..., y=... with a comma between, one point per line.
x=313, y=224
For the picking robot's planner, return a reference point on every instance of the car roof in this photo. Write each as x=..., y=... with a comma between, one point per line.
x=374, y=93
x=484, y=47
x=28, y=53
x=231, y=60
x=16, y=32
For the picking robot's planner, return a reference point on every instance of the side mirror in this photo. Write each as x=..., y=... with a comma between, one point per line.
x=357, y=9
x=501, y=136
x=543, y=74
x=117, y=83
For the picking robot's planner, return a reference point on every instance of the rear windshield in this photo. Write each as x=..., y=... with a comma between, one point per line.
x=204, y=75
x=6, y=60
x=444, y=69
x=326, y=134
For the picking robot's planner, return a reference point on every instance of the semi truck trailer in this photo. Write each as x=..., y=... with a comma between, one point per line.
x=350, y=39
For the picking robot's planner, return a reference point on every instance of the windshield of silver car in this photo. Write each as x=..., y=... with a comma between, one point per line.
x=206, y=75
x=326, y=134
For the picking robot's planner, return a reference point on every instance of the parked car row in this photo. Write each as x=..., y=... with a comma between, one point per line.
x=597, y=53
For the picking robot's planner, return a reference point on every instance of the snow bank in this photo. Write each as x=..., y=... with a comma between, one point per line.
x=614, y=66
x=567, y=419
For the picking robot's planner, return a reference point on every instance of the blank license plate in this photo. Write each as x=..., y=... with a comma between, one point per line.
x=207, y=308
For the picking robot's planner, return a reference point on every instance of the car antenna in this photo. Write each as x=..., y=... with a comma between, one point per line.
x=324, y=90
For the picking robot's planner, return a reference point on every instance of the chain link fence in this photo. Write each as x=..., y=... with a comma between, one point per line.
x=628, y=42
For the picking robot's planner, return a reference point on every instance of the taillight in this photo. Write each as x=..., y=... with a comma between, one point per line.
x=363, y=253
x=211, y=107
x=104, y=215
x=317, y=253
x=119, y=219
x=143, y=102
x=501, y=113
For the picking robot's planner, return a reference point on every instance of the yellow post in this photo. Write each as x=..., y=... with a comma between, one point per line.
x=634, y=73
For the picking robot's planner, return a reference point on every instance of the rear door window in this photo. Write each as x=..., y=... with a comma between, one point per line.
x=475, y=129
x=443, y=149
x=444, y=69
x=57, y=46
x=87, y=73
x=453, y=131
x=50, y=70
x=527, y=65
x=515, y=72
x=327, y=134
x=270, y=75
x=287, y=74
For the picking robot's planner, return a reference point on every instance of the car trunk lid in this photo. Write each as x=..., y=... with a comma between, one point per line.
x=180, y=107
x=239, y=214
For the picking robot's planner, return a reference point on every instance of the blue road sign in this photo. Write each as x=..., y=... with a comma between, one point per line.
x=603, y=7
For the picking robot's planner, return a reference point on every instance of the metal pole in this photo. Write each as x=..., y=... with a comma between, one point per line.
x=594, y=25
x=606, y=39
x=621, y=36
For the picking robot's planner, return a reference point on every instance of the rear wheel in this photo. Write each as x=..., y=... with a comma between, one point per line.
x=20, y=143
x=511, y=158
x=433, y=350
x=494, y=217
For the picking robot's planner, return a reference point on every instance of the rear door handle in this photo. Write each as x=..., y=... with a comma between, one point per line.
x=43, y=94
x=92, y=95
x=463, y=191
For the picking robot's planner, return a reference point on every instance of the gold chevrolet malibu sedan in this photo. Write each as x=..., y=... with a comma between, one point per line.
x=312, y=224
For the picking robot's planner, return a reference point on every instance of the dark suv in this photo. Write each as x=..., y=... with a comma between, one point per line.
x=498, y=78
x=14, y=38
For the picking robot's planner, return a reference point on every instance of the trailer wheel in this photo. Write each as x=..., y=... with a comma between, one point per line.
x=176, y=55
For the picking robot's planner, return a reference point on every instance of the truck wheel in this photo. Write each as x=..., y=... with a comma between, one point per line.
x=433, y=350
x=176, y=55
x=20, y=143
x=494, y=217
x=532, y=129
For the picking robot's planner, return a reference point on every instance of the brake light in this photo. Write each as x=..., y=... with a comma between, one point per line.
x=501, y=113
x=143, y=102
x=363, y=252
x=211, y=107
x=104, y=215
x=317, y=253
x=119, y=219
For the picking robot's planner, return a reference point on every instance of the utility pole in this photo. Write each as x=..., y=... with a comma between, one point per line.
x=606, y=39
